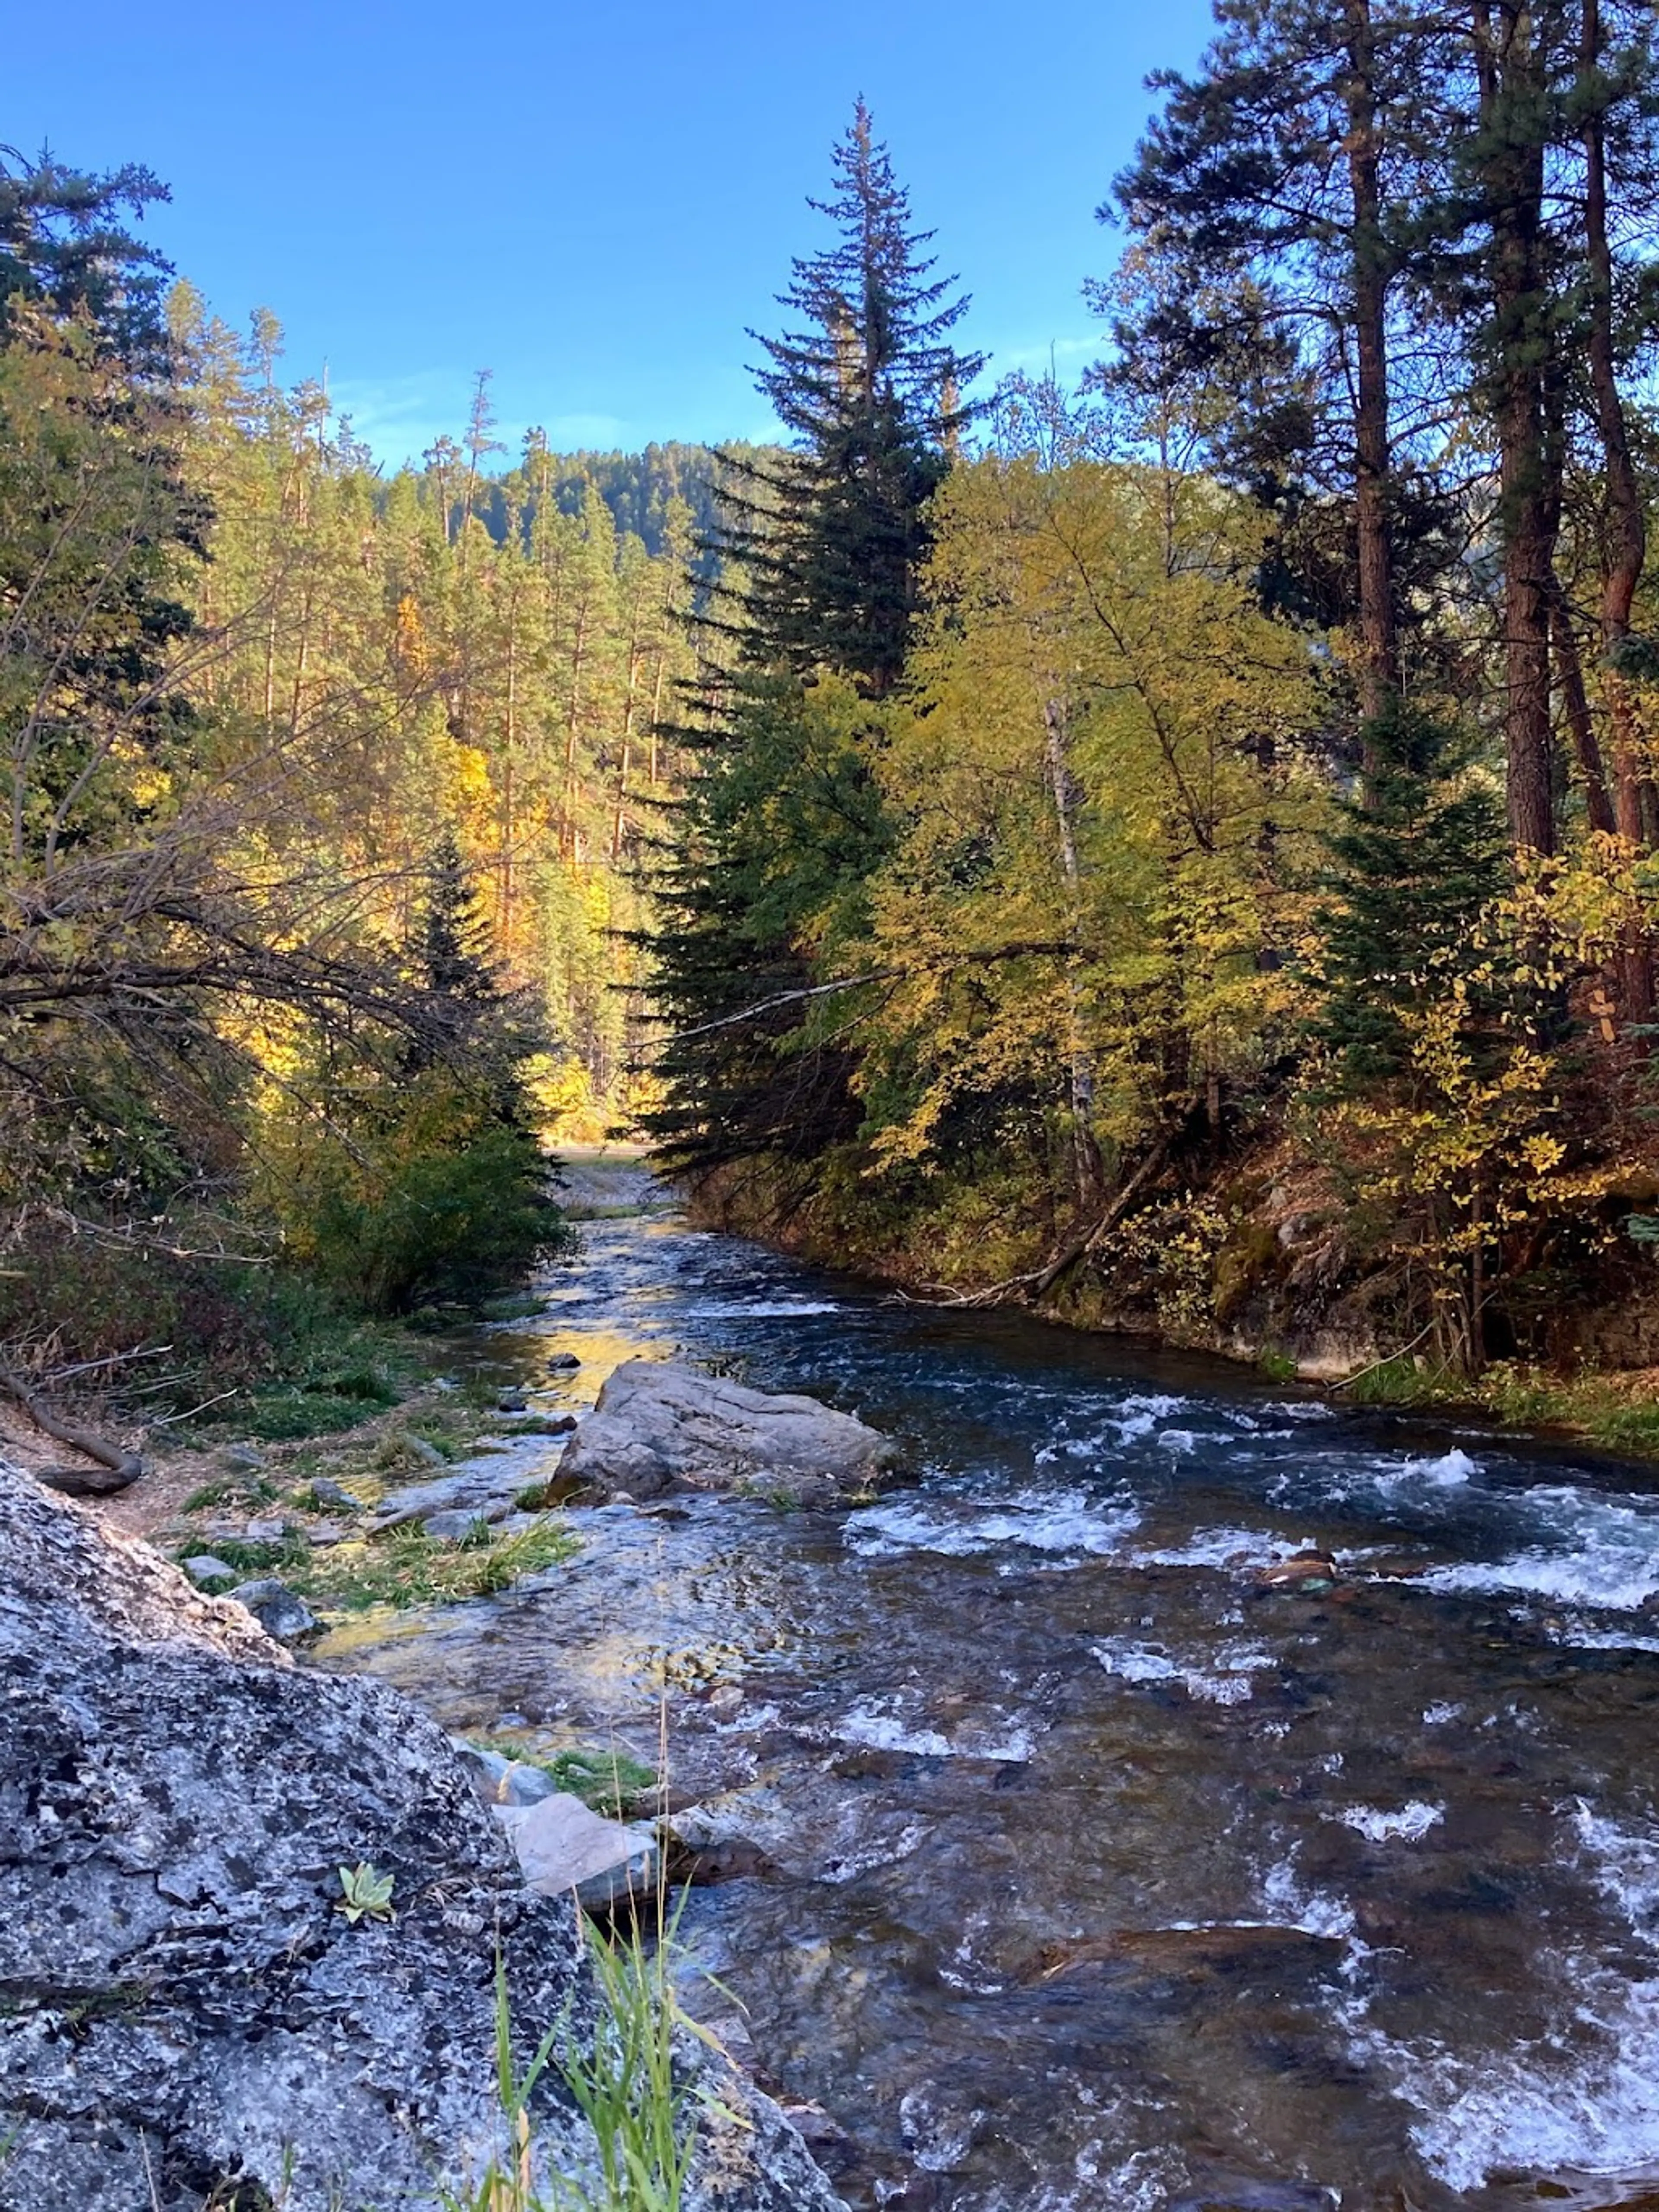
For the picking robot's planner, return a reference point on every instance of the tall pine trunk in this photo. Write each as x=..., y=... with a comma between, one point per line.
x=1379, y=674
x=1511, y=164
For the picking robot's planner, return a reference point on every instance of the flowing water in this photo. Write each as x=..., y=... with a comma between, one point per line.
x=1091, y=1874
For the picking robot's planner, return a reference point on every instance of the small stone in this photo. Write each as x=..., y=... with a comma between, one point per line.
x=486, y=1767
x=1311, y=1572
x=524, y=1783
x=263, y=1532
x=562, y=1845
x=513, y=1401
x=326, y=1532
x=502, y=1781
x=204, y=1568
x=453, y=1527
x=327, y=1492
x=563, y=1363
x=276, y=1609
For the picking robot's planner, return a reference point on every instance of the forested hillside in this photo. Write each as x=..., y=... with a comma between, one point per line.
x=326, y=792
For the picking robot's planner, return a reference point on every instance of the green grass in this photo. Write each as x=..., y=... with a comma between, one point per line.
x=610, y=1781
x=1402, y=1382
x=402, y=1568
x=646, y=2118
x=250, y=1490
x=1597, y=1407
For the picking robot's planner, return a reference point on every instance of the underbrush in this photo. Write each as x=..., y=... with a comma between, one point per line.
x=164, y=1331
x=1620, y=1413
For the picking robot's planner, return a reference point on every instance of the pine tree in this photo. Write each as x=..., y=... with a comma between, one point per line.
x=63, y=243
x=452, y=950
x=823, y=546
x=1280, y=178
x=827, y=540
x=1410, y=872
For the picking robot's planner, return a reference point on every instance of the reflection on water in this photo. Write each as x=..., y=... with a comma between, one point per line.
x=1094, y=1875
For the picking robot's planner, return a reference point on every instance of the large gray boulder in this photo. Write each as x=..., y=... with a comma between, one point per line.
x=186, y=2015
x=659, y=1427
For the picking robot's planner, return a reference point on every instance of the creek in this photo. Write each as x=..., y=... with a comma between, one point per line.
x=1092, y=1874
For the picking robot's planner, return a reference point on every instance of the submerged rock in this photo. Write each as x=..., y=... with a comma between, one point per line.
x=185, y=2014
x=659, y=1427
x=1311, y=1572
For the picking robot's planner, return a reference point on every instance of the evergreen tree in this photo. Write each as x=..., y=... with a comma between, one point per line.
x=826, y=540
x=1281, y=185
x=1410, y=873
x=63, y=243
x=822, y=547
x=455, y=935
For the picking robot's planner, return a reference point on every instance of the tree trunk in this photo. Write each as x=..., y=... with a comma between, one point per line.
x=1086, y=1153
x=1569, y=668
x=1513, y=177
x=1624, y=541
x=1379, y=673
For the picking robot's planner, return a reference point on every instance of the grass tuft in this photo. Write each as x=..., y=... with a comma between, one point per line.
x=644, y=2110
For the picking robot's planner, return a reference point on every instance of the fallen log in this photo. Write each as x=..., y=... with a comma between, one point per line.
x=114, y=1468
x=1037, y=1282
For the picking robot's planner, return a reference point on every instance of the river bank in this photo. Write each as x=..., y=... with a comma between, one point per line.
x=1262, y=1286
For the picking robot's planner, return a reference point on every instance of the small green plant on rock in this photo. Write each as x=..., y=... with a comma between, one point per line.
x=367, y=1894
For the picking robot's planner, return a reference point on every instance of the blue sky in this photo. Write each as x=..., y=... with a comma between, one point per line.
x=593, y=202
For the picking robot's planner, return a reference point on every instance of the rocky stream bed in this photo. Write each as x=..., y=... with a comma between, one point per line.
x=1062, y=1850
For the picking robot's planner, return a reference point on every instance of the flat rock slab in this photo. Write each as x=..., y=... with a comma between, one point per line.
x=659, y=1428
x=563, y=1844
x=483, y=1493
